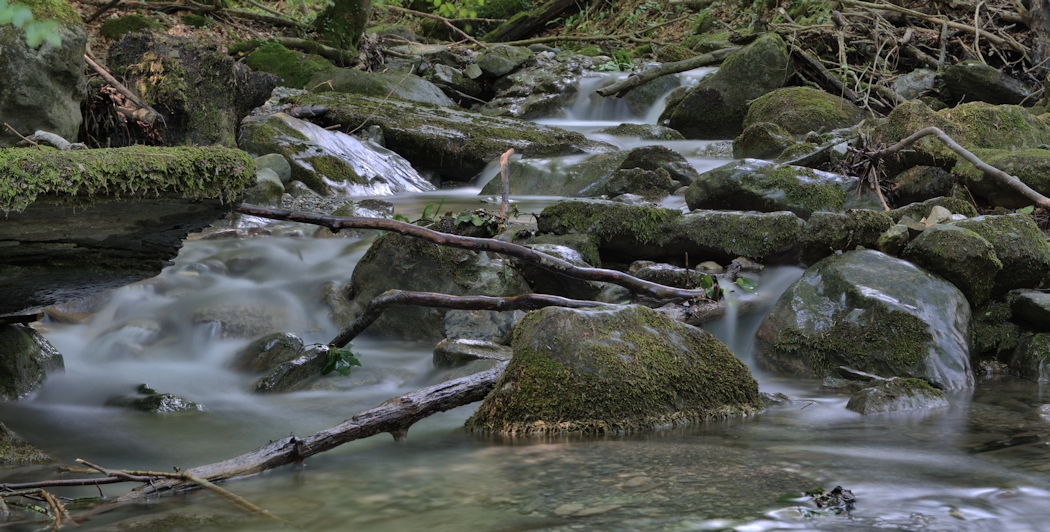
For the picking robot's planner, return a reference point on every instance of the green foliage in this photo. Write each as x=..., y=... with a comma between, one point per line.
x=114, y=28
x=489, y=222
x=197, y=21
x=340, y=360
x=457, y=8
x=710, y=287
x=1026, y=210
x=37, y=31
x=746, y=284
x=621, y=62
x=429, y=211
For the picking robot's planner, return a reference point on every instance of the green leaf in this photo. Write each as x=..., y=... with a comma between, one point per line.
x=706, y=282
x=746, y=284
x=476, y=220
x=340, y=360
x=1026, y=210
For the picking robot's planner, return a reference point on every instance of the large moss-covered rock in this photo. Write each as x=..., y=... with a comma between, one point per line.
x=42, y=88
x=202, y=92
x=404, y=263
x=976, y=81
x=26, y=359
x=15, y=451
x=456, y=144
x=762, y=140
x=716, y=108
x=1018, y=244
x=828, y=232
x=500, y=59
x=800, y=110
x=763, y=186
x=897, y=395
x=627, y=233
x=921, y=183
x=1031, y=358
x=959, y=255
x=1032, y=306
x=870, y=312
x=80, y=222
x=615, y=369
x=1031, y=166
x=330, y=162
x=994, y=335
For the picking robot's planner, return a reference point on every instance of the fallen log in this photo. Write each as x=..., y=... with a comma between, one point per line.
x=394, y=416
x=534, y=22
x=634, y=80
x=638, y=286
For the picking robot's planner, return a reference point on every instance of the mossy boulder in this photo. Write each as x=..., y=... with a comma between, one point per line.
x=800, y=110
x=626, y=233
x=343, y=22
x=267, y=352
x=921, y=183
x=959, y=255
x=500, y=59
x=1019, y=245
x=642, y=131
x=1032, y=306
x=763, y=186
x=613, y=370
x=1031, y=166
x=897, y=395
x=536, y=91
x=294, y=68
x=115, y=28
x=762, y=140
x=918, y=211
x=26, y=359
x=456, y=144
x=43, y=87
x=202, y=92
x=1031, y=358
x=147, y=399
x=716, y=108
x=330, y=162
x=829, y=232
x=673, y=53
x=403, y=263
x=994, y=334
x=873, y=313
x=15, y=451
x=893, y=241
x=976, y=81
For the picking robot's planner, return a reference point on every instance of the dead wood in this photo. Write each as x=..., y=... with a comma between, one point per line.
x=392, y=298
x=638, y=286
x=335, y=55
x=621, y=88
x=504, y=175
x=151, y=114
x=394, y=416
x=532, y=23
x=441, y=19
x=1002, y=176
x=199, y=9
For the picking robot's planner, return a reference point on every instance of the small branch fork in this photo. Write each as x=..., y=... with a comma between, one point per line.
x=548, y=262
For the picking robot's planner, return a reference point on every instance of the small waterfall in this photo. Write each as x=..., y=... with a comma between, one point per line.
x=744, y=311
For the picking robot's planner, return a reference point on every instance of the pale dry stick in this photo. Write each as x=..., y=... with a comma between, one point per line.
x=125, y=91
x=1002, y=176
x=15, y=131
x=944, y=45
x=59, y=509
x=504, y=175
x=443, y=20
x=976, y=33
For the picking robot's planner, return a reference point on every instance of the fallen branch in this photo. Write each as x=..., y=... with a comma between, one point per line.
x=394, y=416
x=336, y=55
x=152, y=113
x=392, y=298
x=101, y=10
x=200, y=9
x=441, y=19
x=621, y=88
x=504, y=175
x=1002, y=176
x=547, y=262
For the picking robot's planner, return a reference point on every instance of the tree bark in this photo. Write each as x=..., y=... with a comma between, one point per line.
x=533, y=23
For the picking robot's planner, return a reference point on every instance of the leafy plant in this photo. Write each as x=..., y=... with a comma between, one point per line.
x=710, y=287
x=457, y=8
x=429, y=211
x=340, y=360
x=1026, y=210
x=37, y=31
x=746, y=284
x=479, y=218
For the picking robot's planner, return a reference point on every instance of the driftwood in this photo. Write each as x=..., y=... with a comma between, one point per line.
x=394, y=416
x=634, y=80
x=638, y=286
x=392, y=298
x=1002, y=176
x=532, y=23
x=504, y=175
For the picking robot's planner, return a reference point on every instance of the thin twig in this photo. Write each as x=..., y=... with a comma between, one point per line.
x=504, y=174
x=431, y=16
x=15, y=131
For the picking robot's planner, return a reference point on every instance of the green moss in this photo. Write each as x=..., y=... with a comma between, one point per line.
x=960, y=256
x=192, y=172
x=992, y=334
x=115, y=28
x=609, y=221
x=918, y=211
x=807, y=193
x=342, y=23
x=796, y=150
x=615, y=372
x=194, y=20
x=503, y=9
x=1031, y=166
x=672, y=53
x=590, y=51
x=14, y=451
x=294, y=68
x=335, y=169
x=826, y=232
x=800, y=110
x=880, y=341
x=58, y=10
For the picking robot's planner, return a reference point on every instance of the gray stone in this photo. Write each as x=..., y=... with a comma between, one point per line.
x=26, y=359
x=481, y=325
x=872, y=312
x=536, y=91
x=972, y=80
x=269, y=351
x=897, y=395
x=913, y=84
x=294, y=373
x=472, y=71
x=267, y=191
x=544, y=281
x=277, y=163
x=42, y=88
x=893, y=240
x=642, y=98
x=1031, y=305
x=149, y=400
x=669, y=275
x=642, y=131
x=1031, y=358
x=1019, y=245
x=499, y=59
x=452, y=78
x=762, y=140
x=828, y=232
x=434, y=54
x=961, y=256
x=920, y=183
x=451, y=353
x=918, y=211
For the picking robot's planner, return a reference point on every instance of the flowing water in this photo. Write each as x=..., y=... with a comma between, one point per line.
x=982, y=464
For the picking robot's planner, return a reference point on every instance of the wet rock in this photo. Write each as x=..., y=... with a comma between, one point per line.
x=538, y=91
x=499, y=59
x=453, y=143
x=976, y=81
x=918, y=211
x=269, y=351
x=961, y=256
x=921, y=183
x=293, y=374
x=995, y=335
x=762, y=140
x=627, y=233
x=914, y=84
x=451, y=353
x=830, y=232
x=1018, y=244
x=15, y=451
x=1031, y=166
x=544, y=281
x=1032, y=306
x=715, y=109
x=643, y=132
x=149, y=400
x=614, y=369
x=642, y=98
x=447, y=77
x=249, y=314
x=44, y=86
x=481, y=325
x=202, y=92
x=277, y=163
x=893, y=240
x=331, y=162
x=897, y=395
x=1031, y=358
x=872, y=312
x=584, y=244
x=669, y=275
x=268, y=189
x=26, y=359
x=799, y=110
x=763, y=186
x=78, y=310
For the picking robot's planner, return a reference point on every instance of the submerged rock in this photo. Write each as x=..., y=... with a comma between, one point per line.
x=26, y=359
x=872, y=312
x=897, y=395
x=14, y=451
x=268, y=351
x=613, y=369
x=330, y=162
x=149, y=400
x=294, y=373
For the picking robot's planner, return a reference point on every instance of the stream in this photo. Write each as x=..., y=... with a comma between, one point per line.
x=982, y=464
